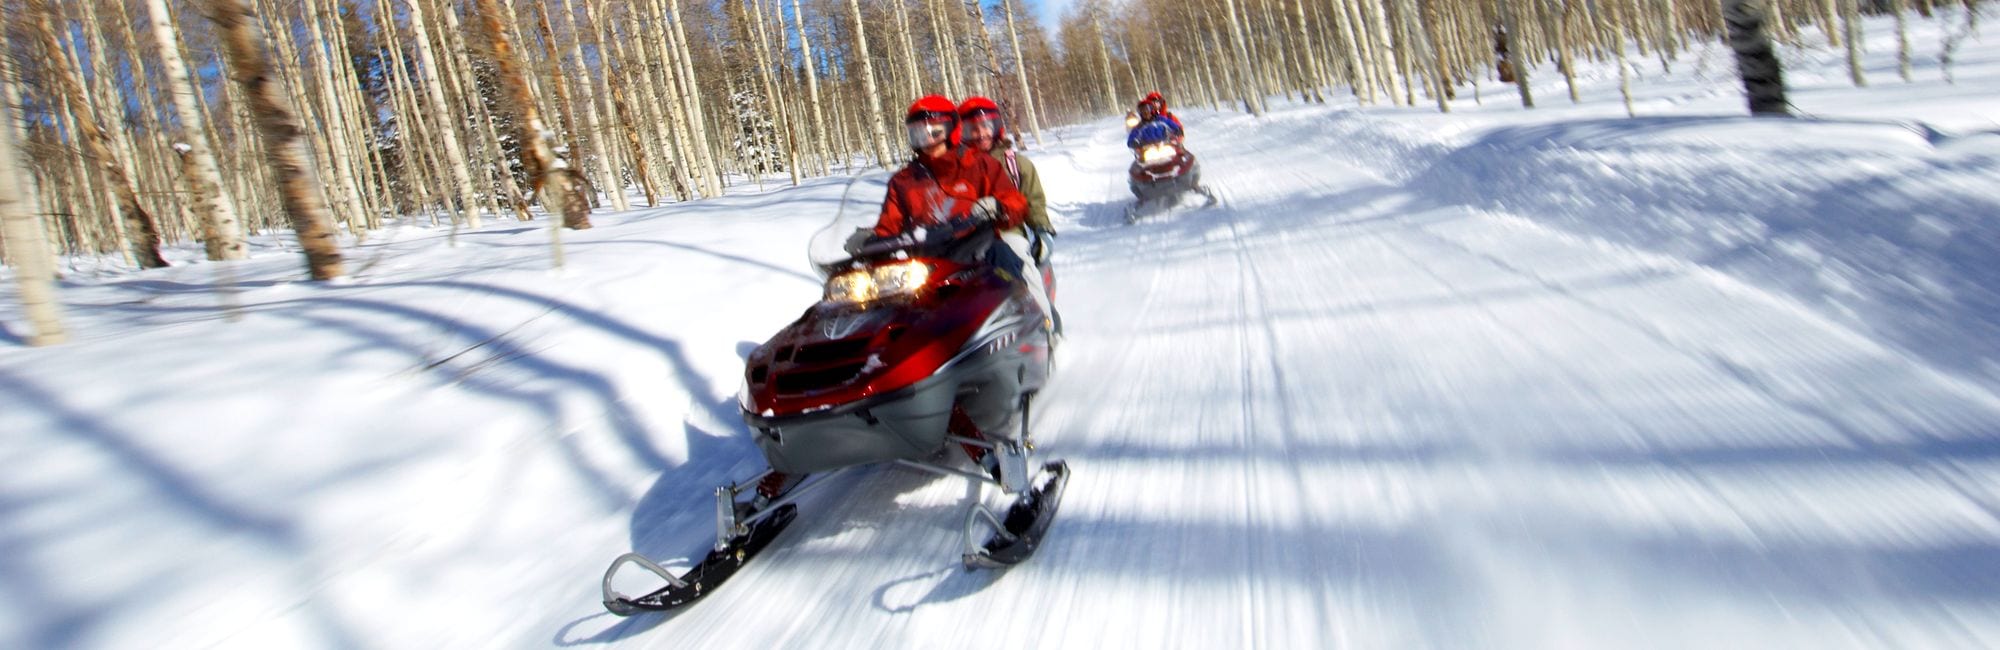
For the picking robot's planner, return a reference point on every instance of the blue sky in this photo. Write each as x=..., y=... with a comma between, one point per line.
x=1049, y=11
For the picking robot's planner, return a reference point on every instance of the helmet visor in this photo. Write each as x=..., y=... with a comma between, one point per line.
x=982, y=126
x=928, y=131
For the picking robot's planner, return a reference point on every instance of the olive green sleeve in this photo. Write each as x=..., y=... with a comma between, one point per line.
x=1038, y=203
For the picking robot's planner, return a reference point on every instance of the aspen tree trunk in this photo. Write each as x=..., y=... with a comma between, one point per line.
x=1394, y=70
x=912, y=81
x=1829, y=20
x=1213, y=42
x=773, y=91
x=874, y=98
x=1850, y=20
x=1103, y=56
x=564, y=107
x=419, y=155
x=1617, y=27
x=222, y=232
x=1131, y=74
x=1404, y=46
x=284, y=141
x=345, y=187
x=1313, y=76
x=612, y=64
x=697, y=116
x=144, y=70
x=819, y=123
x=1517, y=53
x=454, y=154
x=1360, y=65
x=1021, y=74
x=1441, y=80
x=143, y=233
x=550, y=177
x=1253, y=97
x=27, y=246
x=1564, y=46
x=1780, y=26
x=594, y=127
x=945, y=49
x=72, y=54
x=661, y=97
x=1756, y=62
x=519, y=196
x=1902, y=39
x=470, y=118
x=990, y=81
x=363, y=149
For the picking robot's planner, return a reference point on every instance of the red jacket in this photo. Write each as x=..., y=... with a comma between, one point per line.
x=932, y=192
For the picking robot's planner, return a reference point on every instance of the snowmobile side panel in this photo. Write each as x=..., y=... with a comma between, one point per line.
x=908, y=423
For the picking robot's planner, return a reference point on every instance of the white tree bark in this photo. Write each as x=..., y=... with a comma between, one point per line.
x=874, y=99
x=27, y=247
x=284, y=141
x=454, y=154
x=819, y=123
x=1103, y=56
x=222, y=232
x=594, y=129
x=1021, y=74
x=1850, y=20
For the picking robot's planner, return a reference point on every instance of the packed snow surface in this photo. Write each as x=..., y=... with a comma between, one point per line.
x=1497, y=378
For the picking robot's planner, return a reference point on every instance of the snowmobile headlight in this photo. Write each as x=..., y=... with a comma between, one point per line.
x=1157, y=153
x=861, y=287
x=852, y=287
x=1131, y=121
x=900, y=278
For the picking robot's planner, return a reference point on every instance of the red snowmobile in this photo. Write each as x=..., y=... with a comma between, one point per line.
x=1162, y=171
x=922, y=344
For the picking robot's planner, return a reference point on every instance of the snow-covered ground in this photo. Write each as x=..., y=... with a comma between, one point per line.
x=1498, y=378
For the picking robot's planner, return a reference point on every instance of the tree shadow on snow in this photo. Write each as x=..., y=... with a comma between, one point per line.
x=61, y=617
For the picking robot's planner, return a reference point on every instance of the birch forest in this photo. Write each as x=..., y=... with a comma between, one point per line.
x=136, y=124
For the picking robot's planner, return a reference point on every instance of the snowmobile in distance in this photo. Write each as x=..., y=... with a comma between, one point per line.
x=1162, y=171
x=922, y=349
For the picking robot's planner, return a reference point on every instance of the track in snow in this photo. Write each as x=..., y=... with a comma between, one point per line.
x=1334, y=413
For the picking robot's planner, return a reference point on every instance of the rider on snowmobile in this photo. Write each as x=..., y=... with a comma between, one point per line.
x=1152, y=128
x=1160, y=106
x=941, y=185
x=982, y=129
x=944, y=184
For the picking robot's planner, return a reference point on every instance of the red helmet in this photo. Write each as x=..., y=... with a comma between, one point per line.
x=976, y=111
x=1159, y=103
x=1147, y=110
x=930, y=120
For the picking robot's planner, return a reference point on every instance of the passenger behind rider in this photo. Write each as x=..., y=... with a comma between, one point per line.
x=982, y=129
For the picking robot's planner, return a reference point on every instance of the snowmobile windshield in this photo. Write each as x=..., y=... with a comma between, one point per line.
x=853, y=222
x=851, y=236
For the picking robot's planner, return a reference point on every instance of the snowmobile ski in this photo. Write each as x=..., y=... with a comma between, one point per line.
x=719, y=565
x=1018, y=535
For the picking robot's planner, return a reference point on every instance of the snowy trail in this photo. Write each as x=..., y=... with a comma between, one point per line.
x=1336, y=413
x=1500, y=378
